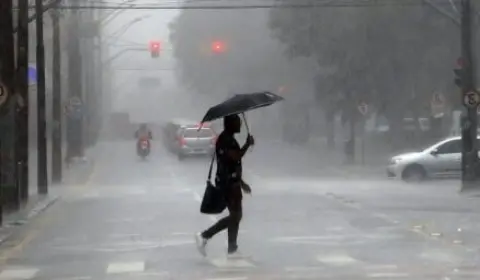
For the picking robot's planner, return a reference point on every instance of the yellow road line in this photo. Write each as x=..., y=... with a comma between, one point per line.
x=41, y=223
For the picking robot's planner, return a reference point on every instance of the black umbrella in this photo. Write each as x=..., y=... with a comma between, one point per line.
x=241, y=103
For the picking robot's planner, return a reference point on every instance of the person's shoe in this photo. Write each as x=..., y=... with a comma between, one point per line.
x=201, y=244
x=233, y=253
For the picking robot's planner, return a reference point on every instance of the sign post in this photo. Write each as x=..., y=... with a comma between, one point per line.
x=363, y=109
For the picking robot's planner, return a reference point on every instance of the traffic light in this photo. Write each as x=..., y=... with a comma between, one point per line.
x=459, y=76
x=155, y=49
x=218, y=47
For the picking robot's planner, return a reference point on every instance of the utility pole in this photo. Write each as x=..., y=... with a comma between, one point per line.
x=57, y=99
x=22, y=142
x=7, y=127
x=41, y=103
x=75, y=147
x=469, y=126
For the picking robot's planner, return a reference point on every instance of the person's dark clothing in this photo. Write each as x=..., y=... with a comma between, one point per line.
x=229, y=171
x=143, y=134
x=229, y=179
x=233, y=196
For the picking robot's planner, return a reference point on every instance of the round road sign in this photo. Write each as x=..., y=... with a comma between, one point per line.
x=363, y=108
x=471, y=99
x=3, y=94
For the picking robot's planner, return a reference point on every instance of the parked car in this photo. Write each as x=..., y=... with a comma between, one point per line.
x=187, y=138
x=440, y=160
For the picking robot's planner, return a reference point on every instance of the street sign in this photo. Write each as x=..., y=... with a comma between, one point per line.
x=471, y=99
x=32, y=74
x=3, y=94
x=363, y=108
x=75, y=108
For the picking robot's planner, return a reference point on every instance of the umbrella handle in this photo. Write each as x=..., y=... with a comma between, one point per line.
x=246, y=123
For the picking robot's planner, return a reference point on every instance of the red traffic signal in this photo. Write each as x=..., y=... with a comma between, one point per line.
x=218, y=47
x=155, y=48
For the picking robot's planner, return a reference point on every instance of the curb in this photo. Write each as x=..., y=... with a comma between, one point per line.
x=10, y=226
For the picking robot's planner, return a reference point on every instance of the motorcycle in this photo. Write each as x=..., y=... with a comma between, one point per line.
x=143, y=148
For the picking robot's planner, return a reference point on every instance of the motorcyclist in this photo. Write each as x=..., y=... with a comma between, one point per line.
x=143, y=133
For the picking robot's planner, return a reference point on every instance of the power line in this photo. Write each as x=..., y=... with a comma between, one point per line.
x=278, y=4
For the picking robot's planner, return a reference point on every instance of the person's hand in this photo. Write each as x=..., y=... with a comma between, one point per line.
x=250, y=140
x=246, y=188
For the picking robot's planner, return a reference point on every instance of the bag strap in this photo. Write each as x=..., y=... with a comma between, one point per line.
x=211, y=167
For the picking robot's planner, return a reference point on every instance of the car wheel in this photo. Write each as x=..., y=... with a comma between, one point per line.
x=414, y=173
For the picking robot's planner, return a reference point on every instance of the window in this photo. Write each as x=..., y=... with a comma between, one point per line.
x=451, y=147
x=194, y=133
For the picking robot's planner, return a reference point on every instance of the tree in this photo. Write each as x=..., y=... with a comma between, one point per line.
x=388, y=56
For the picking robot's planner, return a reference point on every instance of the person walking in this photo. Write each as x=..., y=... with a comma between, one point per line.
x=228, y=178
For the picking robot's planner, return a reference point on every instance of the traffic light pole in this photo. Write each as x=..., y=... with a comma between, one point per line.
x=469, y=124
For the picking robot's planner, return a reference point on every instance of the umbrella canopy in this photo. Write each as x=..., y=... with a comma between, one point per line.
x=241, y=103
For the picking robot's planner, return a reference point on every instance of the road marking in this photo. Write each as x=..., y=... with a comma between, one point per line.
x=19, y=247
x=388, y=275
x=167, y=243
x=42, y=222
x=228, y=278
x=76, y=278
x=18, y=273
x=304, y=269
x=337, y=259
x=231, y=263
x=127, y=267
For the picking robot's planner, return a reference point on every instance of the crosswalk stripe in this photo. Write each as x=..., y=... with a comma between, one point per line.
x=231, y=263
x=18, y=273
x=388, y=275
x=337, y=259
x=126, y=267
x=228, y=278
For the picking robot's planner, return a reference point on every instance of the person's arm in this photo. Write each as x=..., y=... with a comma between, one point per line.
x=235, y=154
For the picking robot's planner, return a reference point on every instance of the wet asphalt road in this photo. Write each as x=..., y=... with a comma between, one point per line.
x=136, y=220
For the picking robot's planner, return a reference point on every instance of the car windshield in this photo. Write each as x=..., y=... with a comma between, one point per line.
x=194, y=133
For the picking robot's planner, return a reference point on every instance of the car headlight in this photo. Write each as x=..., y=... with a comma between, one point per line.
x=394, y=160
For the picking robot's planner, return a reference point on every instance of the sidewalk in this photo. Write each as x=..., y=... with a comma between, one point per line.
x=78, y=173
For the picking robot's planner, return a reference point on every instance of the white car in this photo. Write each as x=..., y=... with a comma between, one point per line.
x=443, y=159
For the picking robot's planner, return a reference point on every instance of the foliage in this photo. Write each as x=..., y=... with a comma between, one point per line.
x=392, y=57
